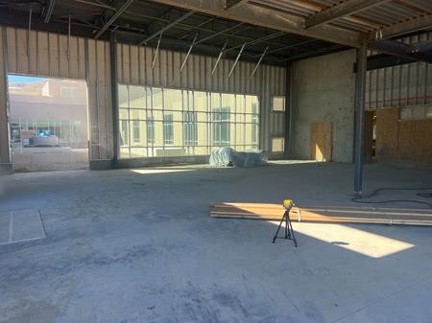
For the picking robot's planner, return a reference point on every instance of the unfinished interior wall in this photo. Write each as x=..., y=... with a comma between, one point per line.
x=134, y=67
x=323, y=91
x=402, y=98
x=400, y=86
x=403, y=141
x=37, y=53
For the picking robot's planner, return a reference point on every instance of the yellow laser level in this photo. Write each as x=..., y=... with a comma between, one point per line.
x=289, y=231
x=288, y=203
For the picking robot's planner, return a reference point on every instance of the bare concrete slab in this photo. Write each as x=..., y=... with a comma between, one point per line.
x=139, y=246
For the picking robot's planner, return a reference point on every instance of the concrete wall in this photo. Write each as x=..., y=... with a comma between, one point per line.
x=323, y=91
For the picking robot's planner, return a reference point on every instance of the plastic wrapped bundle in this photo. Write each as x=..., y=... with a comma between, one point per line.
x=226, y=156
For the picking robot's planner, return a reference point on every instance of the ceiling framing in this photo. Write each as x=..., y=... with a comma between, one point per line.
x=272, y=31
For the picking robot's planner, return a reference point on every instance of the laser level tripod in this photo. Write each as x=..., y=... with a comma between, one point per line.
x=289, y=231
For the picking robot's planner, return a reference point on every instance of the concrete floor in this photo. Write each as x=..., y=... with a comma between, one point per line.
x=139, y=246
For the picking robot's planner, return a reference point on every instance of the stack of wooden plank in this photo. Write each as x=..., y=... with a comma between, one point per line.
x=274, y=212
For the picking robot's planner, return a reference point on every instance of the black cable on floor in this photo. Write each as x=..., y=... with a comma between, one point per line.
x=374, y=193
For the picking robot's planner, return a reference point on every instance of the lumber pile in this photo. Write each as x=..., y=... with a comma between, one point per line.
x=274, y=212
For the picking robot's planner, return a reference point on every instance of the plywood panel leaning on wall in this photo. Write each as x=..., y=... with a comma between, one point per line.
x=321, y=141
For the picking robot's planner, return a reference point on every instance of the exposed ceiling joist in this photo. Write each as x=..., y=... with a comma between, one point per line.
x=268, y=18
x=219, y=33
x=232, y=3
x=97, y=4
x=175, y=22
x=114, y=18
x=402, y=28
x=346, y=8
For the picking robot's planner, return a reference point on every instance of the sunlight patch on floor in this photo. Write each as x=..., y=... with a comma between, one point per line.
x=159, y=171
x=356, y=240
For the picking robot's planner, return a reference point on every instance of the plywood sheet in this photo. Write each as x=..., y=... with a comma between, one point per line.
x=321, y=141
x=386, y=134
x=415, y=140
x=274, y=212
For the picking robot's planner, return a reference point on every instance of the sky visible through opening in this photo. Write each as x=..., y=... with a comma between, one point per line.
x=14, y=79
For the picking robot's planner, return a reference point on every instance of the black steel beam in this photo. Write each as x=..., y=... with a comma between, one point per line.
x=403, y=28
x=232, y=3
x=402, y=50
x=360, y=88
x=346, y=8
x=382, y=61
x=268, y=18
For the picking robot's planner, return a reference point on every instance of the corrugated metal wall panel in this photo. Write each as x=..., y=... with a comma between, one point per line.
x=53, y=55
x=4, y=109
x=400, y=86
x=43, y=54
x=134, y=67
x=100, y=105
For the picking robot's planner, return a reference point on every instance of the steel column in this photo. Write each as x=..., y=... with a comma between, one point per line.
x=288, y=109
x=360, y=88
x=114, y=98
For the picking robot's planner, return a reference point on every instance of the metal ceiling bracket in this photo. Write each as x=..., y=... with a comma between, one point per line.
x=219, y=33
x=188, y=53
x=49, y=10
x=156, y=53
x=258, y=63
x=114, y=18
x=173, y=23
x=236, y=60
x=219, y=58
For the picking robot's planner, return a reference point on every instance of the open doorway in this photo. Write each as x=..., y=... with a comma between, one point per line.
x=48, y=123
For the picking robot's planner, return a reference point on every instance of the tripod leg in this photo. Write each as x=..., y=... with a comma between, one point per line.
x=292, y=231
x=277, y=231
x=287, y=228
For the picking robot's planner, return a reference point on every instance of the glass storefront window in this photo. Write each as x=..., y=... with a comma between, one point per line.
x=169, y=122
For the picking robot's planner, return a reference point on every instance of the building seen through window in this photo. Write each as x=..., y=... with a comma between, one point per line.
x=157, y=122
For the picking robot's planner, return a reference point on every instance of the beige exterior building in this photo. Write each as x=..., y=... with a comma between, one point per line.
x=59, y=106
